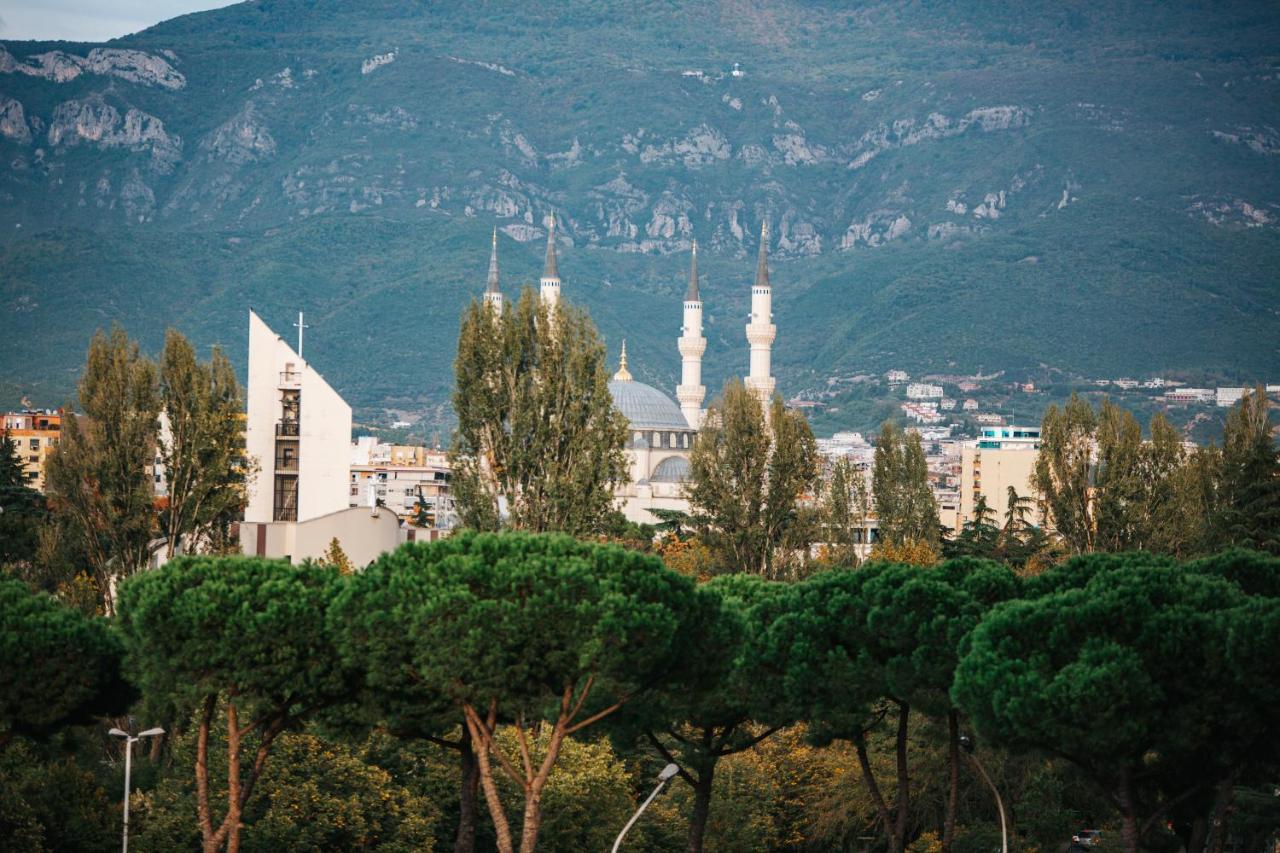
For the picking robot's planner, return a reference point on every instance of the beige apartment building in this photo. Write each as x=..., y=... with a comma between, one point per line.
x=34, y=433
x=1003, y=456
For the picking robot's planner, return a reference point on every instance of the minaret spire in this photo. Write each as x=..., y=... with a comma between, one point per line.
x=761, y=331
x=691, y=295
x=692, y=345
x=550, y=284
x=492, y=295
x=623, y=375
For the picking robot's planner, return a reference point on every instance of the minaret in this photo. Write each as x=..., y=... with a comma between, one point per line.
x=761, y=331
x=492, y=295
x=550, y=274
x=692, y=345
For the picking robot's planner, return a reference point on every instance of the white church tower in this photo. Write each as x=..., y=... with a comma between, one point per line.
x=550, y=284
x=692, y=345
x=761, y=331
x=492, y=295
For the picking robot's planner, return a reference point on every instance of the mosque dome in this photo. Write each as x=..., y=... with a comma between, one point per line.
x=645, y=407
x=673, y=469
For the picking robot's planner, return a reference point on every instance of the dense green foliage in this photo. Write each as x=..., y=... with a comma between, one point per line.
x=246, y=635
x=517, y=629
x=58, y=666
x=748, y=474
x=539, y=442
x=905, y=506
x=356, y=195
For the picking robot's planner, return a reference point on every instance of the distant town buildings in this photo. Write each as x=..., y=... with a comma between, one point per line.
x=1225, y=397
x=412, y=482
x=35, y=434
x=921, y=391
x=896, y=377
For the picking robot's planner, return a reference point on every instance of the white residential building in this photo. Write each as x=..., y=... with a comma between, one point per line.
x=922, y=391
x=1190, y=395
x=896, y=377
x=1225, y=397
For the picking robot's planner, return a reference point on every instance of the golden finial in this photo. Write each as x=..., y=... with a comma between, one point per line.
x=623, y=375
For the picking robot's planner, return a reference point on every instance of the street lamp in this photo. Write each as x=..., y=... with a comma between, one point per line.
x=666, y=774
x=129, y=741
x=967, y=743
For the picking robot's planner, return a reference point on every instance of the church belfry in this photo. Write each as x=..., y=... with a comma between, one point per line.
x=761, y=331
x=692, y=345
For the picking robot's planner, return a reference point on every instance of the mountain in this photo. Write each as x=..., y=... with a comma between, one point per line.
x=1089, y=188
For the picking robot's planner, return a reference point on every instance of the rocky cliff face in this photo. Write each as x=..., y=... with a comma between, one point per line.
x=875, y=140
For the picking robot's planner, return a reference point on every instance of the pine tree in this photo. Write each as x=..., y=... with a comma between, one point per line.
x=335, y=556
x=539, y=445
x=747, y=477
x=22, y=510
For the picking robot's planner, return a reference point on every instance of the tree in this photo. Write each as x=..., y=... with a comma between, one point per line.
x=846, y=506
x=58, y=666
x=1247, y=508
x=979, y=537
x=857, y=646
x=97, y=480
x=1098, y=669
x=22, y=512
x=336, y=557
x=747, y=478
x=905, y=506
x=697, y=721
x=539, y=445
x=242, y=635
x=1063, y=471
x=201, y=446
x=527, y=631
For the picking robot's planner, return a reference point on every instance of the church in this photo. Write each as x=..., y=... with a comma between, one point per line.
x=662, y=430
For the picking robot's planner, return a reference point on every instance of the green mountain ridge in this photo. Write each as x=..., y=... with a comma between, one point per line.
x=1086, y=187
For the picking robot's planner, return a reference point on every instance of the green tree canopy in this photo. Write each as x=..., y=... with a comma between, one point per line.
x=905, y=507
x=517, y=629
x=246, y=635
x=1122, y=665
x=538, y=438
x=22, y=511
x=201, y=446
x=97, y=480
x=1247, y=508
x=58, y=666
x=747, y=475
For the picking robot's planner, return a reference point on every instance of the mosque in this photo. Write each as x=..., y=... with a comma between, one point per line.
x=662, y=431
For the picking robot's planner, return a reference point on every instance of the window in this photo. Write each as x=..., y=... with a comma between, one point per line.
x=35, y=445
x=285, y=507
x=408, y=493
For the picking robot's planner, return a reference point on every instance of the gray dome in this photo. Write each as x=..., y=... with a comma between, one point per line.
x=645, y=407
x=673, y=469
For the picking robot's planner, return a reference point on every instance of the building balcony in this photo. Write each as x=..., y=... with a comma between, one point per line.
x=287, y=429
x=290, y=378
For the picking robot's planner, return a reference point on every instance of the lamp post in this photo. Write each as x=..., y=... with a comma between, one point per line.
x=667, y=772
x=967, y=743
x=129, y=741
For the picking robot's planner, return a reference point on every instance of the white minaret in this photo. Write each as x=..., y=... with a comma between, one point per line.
x=692, y=345
x=550, y=274
x=761, y=331
x=492, y=295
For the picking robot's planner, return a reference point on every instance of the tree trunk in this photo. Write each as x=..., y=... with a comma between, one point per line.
x=1224, y=796
x=533, y=793
x=232, y=822
x=1198, y=838
x=904, y=786
x=1130, y=834
x=953, y=780
x=466, y=839
x=882, y=808
x=203, y=815
x=701, y=807
x=502, y=829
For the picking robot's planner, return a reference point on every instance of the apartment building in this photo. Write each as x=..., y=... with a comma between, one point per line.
x=34, y=433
